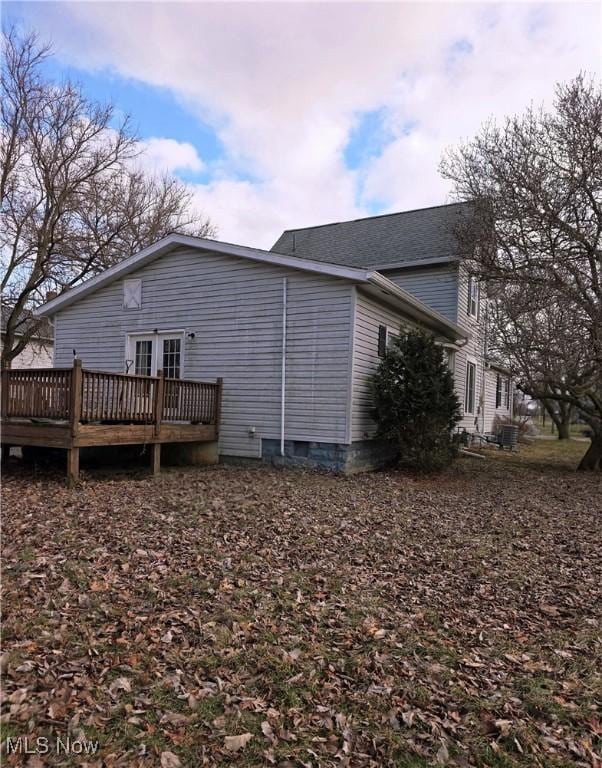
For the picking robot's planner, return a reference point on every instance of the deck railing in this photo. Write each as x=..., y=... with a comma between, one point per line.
x=81, y=395
x=37, y=392
x=118, y=397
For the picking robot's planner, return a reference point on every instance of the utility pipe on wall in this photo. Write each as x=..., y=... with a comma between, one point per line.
x=283, y=382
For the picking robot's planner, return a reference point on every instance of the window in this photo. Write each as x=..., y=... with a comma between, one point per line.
x=382, y=340
x=132, y=294
x=171, y=358
x=498, y=391
x=469, y=394
x=143, y=360
x=507, y=393
x=386, y=337
x=473, y=297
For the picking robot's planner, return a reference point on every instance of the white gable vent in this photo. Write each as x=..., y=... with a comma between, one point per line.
x=132, y=294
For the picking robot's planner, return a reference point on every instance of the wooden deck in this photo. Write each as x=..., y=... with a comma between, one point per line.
x=74, y=408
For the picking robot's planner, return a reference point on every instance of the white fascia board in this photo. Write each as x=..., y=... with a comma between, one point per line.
x=174, y=241
x=417, y=309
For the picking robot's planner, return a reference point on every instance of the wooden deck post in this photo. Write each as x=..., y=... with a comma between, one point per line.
x=75, y=396
x=4, y=393
x=218, y=404
x=72, y=466
x=155, y=457
x=75, y=412
x=158, y=404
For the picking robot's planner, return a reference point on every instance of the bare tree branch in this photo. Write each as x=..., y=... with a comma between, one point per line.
x=72, y=199
x=534, y=236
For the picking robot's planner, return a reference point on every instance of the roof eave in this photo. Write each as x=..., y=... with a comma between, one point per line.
x=435, y=261
x=416, y=309
x=170, y=242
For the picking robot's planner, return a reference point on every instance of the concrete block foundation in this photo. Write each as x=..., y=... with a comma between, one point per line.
x=363, y=456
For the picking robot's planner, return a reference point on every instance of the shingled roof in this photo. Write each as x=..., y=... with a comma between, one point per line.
x=379, y=241
x=25, y=323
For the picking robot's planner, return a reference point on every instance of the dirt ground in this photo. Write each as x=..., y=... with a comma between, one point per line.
x=267, y=617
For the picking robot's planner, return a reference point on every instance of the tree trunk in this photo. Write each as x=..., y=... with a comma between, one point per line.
x=592, y=461
x=560, y=417
x=564, y=430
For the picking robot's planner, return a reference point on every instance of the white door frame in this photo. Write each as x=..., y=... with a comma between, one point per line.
x=157, y=349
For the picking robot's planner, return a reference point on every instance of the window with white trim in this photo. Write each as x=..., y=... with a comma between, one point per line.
x=172, y=357
x=132, y=294
x=469, y=391
x=391, y=336
x=506, y=390
x=143, y=357
x=472, y=307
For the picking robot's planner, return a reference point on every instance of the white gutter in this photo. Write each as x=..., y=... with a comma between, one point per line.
x=283, y=378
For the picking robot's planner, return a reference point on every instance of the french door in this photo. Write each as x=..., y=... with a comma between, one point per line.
x=148, y=353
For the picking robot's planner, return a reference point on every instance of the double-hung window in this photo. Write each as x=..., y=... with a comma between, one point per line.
x=472, y=307
x=507, y=393
x=469, y=393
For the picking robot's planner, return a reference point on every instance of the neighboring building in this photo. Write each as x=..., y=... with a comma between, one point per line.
x=294, y=335
x=38, y=350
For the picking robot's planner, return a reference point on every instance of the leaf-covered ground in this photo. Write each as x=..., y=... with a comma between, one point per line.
x=262, y=617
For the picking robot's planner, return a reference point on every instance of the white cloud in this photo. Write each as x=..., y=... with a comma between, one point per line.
x=169, y=155
x=282, y=84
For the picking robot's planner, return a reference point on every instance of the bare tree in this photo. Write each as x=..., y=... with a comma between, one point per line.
x=73, y=200
x=540, y=337
x=534, y=238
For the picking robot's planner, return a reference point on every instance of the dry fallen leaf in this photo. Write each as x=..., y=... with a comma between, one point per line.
x=235, y=743
x=169, y=760
x=267, y=730
x=458, y=609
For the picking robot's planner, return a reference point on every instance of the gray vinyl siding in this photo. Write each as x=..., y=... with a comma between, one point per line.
x=445, y=289
x=369, y=315
x=474, y=351
x=436, y=286
x=491, y=411
x=234, y=308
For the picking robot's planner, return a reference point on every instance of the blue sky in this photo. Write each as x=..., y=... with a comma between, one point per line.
x=281, y=115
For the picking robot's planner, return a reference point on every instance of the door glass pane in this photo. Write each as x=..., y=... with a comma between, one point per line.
x=171, y=358
x=144, y=358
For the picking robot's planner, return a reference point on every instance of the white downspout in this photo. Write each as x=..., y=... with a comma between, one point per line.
x=283, y=382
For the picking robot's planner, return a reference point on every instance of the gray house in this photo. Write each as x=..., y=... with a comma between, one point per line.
x=417, y=251
x=294, y=332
